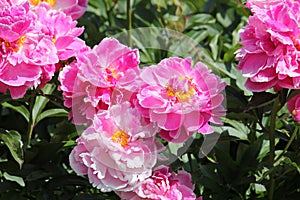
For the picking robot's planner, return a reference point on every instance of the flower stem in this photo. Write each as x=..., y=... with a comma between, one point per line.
x=288, y=144
x=129, y=21
x=108, y=12
x=30, y=123
x=275, y=109
x=191, y=162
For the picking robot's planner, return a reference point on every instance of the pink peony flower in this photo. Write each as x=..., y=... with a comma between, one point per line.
x=163, y=185
x=181, y=99
x=73, y=92
x=15, y=22
x=62, y=29
x=73, y=8
x=109, y=68
x=27, y=57
x=118, y=150
x=271, y=43
x=293, y=106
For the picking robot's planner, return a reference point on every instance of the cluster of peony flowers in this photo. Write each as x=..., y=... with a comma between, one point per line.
x=129, y=111
x=34, y=37
x=163, y=184
x=270, y=54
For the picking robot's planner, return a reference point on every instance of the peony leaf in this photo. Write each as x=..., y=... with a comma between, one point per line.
x=55, y=112
x=16, y=179
x=200, y=19
x=160, y=4
x=214, y=46
x=40, y=102
x=12, y=139
x=226, y=19
x=175, y=148
x=20, y=109
x=238, y=129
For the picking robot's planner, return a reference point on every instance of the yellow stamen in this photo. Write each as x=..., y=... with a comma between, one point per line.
x=14, y=45
x=50, y=2
x=111, y=74
x=21, y=41
x=121, y=137
x=181, y=95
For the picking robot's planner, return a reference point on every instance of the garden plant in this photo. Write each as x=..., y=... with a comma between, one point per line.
x=149, y=99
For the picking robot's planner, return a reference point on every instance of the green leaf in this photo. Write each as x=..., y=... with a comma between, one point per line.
x=70, y=143
x=197, y=35
x=289, y=162
x=160, y=3
x=265, y=149
x=12, y=140
x=284, y=158
x=239, y=129
x=41, y=102
x=20, y=109
x=201, y=19
x=222, y=68
x=194, y=4
x=236, y=133
x=55, y=112
x=236, y=32
x=16, y=179
x=179, y=148
x=227, y=19
x=214, y=46
x=240, y=82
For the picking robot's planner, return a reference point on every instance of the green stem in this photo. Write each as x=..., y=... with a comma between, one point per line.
x=191, y=162
x=30, y=123
x=288, y=144
x=29, y=134
x=108, y=12
x=129, y=21
x=275, y=109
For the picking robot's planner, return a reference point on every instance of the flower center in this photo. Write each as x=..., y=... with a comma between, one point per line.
x=121, y=137
x=181, y=89
x=36, y=2
x=21, y=41
x=296, y=42
x=54, y=39
x=14, y=46
x=111, y=75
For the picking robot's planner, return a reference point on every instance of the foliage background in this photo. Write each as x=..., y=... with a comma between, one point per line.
x=238, y=166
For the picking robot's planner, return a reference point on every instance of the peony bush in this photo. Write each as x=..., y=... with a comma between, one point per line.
x=100, y=100
x=34, y=38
